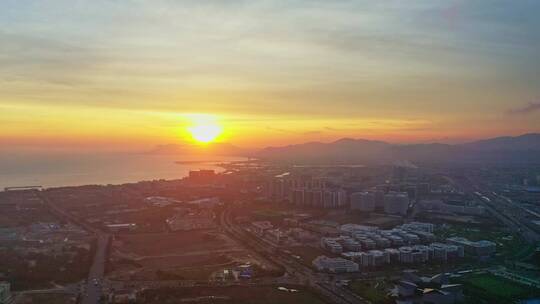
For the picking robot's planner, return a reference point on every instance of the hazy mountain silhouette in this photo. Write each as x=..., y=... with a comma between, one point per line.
x=520, y=149
x=529, y=141
x=343, y=150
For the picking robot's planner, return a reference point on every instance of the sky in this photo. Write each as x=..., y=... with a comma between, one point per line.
x=133, y=74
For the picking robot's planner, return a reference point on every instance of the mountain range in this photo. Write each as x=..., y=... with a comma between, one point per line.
x=520, y=149
x=524, y=149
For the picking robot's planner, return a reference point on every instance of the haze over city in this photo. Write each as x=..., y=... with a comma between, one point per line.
x=261, y=152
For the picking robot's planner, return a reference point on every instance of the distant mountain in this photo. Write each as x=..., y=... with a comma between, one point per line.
x=520, y=149
x=343, y=150
x=217, y=149
x=524, y=142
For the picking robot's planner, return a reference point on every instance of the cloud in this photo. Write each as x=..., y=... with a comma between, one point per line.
x=524, y=110
x=281, y=130
x=287, y=131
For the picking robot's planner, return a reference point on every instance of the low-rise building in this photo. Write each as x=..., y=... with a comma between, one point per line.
x=418, y=226
x=275, y=235
x=334, y=265
x=332, y=245
x=122, y=227
x=261, y=226
x=428, y=290
x=302, y=235
x=481, y=249
x=123, y=297
x=5, y=292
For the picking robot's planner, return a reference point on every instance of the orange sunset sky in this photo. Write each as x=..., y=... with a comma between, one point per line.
x=105, y=75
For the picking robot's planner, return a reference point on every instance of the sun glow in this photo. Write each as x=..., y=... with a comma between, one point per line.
x=205, y=133
x=204, y=129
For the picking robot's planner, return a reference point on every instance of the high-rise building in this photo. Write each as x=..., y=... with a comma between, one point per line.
x=298, y=197
x=308, y=197
x=396, y=203
x=317, y=198
x=379, y=199
x=334, y=198
x=411, y=192
x=363, y=201
x=423, y=189
x=399, y=173
x=299, y=190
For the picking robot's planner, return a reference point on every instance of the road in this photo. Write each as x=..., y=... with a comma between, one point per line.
x=304, y=275
x=94, y=283
x=503, y=209
x=95, y=280
x=294, y=271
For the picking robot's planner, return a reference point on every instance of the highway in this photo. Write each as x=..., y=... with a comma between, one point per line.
x=95, y=280
x=505, y=210
x=94, y=283
x=305, y=276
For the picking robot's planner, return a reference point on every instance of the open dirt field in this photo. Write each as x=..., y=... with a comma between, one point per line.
x=181, y=255
x=180, y=243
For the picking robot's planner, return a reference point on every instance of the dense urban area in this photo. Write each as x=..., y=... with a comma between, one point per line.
x=269, y=233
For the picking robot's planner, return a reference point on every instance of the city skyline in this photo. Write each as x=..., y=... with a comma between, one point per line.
x=269, y=151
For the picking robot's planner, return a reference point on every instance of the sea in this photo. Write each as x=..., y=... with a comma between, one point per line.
x=75, y=169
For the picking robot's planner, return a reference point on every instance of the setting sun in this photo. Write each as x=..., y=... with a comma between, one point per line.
x=204, y=128
x=205, y=133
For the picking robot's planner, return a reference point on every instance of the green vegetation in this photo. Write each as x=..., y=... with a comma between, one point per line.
x=494, y=289
x=38, y=270
x=233, y=294
x=48, y=299
x=508, y=246
x=524, y=252
x=353, y=217
x=307, y=254
x=473, y=234
x=373, y=291
x=198, y=270
x=11, y=217
x=496, y=286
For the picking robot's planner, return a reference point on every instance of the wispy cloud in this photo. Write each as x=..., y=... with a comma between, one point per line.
x=288, y=131
x=524, y=110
